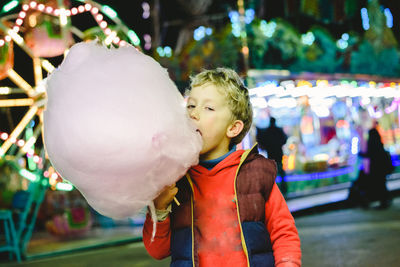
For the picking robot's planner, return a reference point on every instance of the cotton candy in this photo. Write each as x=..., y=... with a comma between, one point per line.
x=116, y=127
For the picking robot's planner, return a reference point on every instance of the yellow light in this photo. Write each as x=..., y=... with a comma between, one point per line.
x=5, y=90
x=37, y=69
x=16, y=37
x=63, y=17
x=28, y=144
x=291, y=162
x=17, y=131
x=110, y=38
x=32, y=21
x=19, y=81
x=16, y=102
x=48, y=66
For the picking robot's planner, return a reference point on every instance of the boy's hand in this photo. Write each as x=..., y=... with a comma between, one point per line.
x=165, y=197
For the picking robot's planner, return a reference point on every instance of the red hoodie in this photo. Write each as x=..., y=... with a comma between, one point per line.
x=217, y=222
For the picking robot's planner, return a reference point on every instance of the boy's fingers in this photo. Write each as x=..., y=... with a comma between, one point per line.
x=174, y=191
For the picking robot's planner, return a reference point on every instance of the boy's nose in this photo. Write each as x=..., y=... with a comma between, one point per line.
x=194, y=115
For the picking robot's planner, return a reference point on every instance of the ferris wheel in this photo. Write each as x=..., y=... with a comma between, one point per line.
x=45, y=30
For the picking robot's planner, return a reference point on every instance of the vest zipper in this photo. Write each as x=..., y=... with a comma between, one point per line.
x=244, y=155
x=191, y=213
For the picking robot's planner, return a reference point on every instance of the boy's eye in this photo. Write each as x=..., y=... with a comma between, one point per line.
x=210, y=108
x=190, y=106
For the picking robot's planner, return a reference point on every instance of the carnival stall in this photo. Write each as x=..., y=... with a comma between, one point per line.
x=327, y=118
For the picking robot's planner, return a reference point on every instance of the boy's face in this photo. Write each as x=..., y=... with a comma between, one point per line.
x=209, y=110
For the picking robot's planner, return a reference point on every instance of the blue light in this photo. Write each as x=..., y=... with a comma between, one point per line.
x=249, y=16
x=342, y=44
x=316, y=175
x=168, y=51
x=345, y=36
x=365, y=18
x=209, y=31
x=268, y=29
x=199, y=33
x=389, y=18
x=160, y=51
x=234, y=16
x=236, y=30
x=308, y=38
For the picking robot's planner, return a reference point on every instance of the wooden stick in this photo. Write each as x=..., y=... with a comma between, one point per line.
x=176, y=201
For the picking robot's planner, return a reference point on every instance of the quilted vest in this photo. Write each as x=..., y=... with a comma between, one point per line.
x=254, y=181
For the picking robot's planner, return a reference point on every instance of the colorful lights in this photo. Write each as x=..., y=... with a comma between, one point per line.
x=133, y=37
x=29, y=175
x=146, y=10
x=389, y=17
x=164, y=52
x=268, y=29
x=109, y=12
x=308, y=38
x=63, y=15
x=365, y=18
x=10, y=6
x=201, y=32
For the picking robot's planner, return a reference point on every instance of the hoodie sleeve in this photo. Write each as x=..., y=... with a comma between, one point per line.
x=159, y=248
x=281, y=227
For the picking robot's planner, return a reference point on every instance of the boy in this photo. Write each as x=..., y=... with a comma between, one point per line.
x=232, y=212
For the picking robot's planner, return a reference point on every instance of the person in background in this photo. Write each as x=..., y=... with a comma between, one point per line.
x=271, y=140
x=231, y=211
x=380, y=165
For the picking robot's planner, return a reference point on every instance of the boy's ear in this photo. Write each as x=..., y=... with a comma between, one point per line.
x=235, y=128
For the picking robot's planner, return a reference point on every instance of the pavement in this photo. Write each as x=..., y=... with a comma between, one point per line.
x=335, y=236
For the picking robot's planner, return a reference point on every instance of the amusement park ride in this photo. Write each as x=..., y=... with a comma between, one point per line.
x=44, y=31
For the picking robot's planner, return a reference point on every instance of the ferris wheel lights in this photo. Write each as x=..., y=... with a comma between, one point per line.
x=107, y=31
x=56, y=12
x=10, y=5
x=109, y=12
x=134, y=38
x=48, y=66
x=40, y=7
x=116, y=40
x=16, y=37
x=7, y=38
x=99, y=17
x=103, y=24
x=28, y=175
x=20, y=142
x=81, y=9
x=74, y=11
x=1, y=42
x=68, y=13
x=94, y=10
x=25, y=7
x=63, y=16
x=4, y=90
x=64, y=186
x=122, y=43
x=110, y=38
x=36, y=159
x=22, y=14
x=33, y=4
x=4, y=136
x=49, y=9
x=88, y=7
x=15, y=28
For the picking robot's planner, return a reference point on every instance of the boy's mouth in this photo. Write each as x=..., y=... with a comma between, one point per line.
x=197, y=130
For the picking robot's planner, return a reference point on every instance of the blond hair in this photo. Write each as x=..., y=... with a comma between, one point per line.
x=229, y=83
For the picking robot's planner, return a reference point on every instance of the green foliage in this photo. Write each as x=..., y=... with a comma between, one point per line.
x=320, y=56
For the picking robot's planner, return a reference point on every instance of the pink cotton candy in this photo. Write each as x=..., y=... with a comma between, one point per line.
x=116, y=127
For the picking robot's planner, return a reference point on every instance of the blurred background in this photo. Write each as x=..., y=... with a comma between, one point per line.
x=327, y=71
